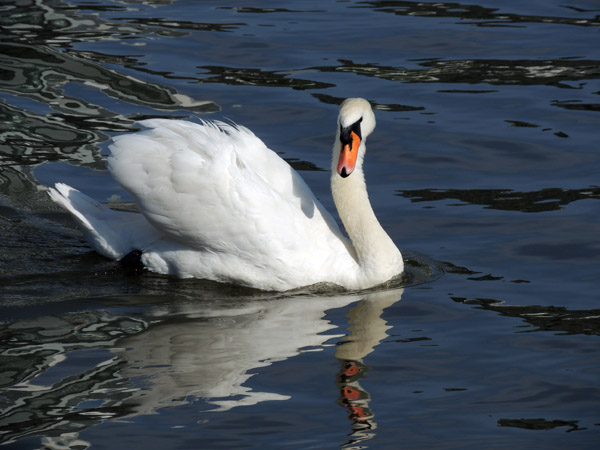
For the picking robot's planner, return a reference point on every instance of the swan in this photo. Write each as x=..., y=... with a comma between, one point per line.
x=215, y=203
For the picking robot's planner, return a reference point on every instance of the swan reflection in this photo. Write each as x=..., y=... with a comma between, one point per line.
x=211, y=353
x=366, y=330
x=175, y=354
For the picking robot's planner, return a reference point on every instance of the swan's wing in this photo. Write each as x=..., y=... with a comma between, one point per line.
x=217, y=187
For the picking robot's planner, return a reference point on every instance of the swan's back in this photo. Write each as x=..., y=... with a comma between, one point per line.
x=217, y=192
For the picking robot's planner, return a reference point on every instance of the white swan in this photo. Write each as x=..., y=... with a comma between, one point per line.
x=217, y=204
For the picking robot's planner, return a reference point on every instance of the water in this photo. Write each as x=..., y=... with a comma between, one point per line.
x=483, y=168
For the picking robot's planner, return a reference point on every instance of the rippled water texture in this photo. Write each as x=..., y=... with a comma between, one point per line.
x=484, y=168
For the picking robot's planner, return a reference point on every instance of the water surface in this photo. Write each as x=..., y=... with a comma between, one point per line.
x=483, y=168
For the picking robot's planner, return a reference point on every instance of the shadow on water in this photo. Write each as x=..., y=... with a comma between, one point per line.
x=543, y=318
x=488, y=71
x=558, y=319
x=549, y=199
x=477, y=15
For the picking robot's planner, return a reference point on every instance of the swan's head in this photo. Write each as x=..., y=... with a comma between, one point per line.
x=356, y=121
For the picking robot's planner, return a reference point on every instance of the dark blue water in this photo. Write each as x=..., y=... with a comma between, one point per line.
x=484, y=168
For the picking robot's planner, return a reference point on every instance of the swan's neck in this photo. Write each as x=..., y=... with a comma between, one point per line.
x=378, y=257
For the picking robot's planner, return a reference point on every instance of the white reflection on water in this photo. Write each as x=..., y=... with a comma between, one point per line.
x=100, y=366
x=211, y=353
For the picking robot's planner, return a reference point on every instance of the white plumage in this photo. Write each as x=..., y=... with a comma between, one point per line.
x=216, y=203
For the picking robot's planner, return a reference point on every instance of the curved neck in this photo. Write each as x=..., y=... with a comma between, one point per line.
x=377, y=254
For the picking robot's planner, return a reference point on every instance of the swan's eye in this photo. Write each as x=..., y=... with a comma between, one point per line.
x=346, y=133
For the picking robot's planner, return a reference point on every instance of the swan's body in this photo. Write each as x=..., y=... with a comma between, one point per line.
x=217, y=204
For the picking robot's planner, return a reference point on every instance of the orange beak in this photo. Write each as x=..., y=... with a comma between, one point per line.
x=348, y=154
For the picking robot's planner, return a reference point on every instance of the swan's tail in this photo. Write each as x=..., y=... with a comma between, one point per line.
x=111, y=233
